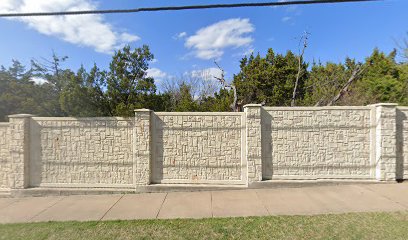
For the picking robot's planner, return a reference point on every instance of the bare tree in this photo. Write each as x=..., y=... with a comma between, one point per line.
x=234, y=105
x=303, y=40
x=200, y=83
x=403, y=47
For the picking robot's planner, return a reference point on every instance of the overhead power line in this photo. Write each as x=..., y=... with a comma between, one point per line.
x=177, y=8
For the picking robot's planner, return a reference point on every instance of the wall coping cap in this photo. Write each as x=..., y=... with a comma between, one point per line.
x=143, y=110
x=21, y=116
x=252, y=105
x=383, y=104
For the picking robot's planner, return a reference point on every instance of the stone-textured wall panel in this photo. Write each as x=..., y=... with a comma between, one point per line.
x=254, y=141
x=386, y=142
x=142, y=146
x=402, y=142
x=321, y=143
x=195, y=148
x=86, y=151
x=5, y=163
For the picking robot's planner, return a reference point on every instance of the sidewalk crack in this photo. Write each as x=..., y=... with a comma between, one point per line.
x=212, y=211
x=383, y=196
x=260, y=200
x=111, y=207
x=52, y=205
x=161, y=206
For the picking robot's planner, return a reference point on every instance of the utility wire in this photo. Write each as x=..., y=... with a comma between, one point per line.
x=177, y=8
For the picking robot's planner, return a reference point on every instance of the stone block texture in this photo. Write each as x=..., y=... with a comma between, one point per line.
x=254, y=142
x=19, y=150
x=67, y=151
x=143, y=147
x=316, y=143
x=386, y=141
x=197, y=147
x=261, y=143
x=5, y=162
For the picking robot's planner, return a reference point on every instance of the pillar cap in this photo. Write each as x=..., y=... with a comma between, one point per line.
x=143, y=110
x=21, y=116
x=252, y=105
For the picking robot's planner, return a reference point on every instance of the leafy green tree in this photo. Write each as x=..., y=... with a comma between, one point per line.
x=128, y=86
x=18, y=94
x=185, y=101
x=270, y=79
x=326, y=81
x=383, y=80
x=84, y=95
x=56, y=79
x=220, y=102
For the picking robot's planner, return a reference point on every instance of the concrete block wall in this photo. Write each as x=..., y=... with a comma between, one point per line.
x=198, y=148
x=261, y=143
x=5, y=162
x=386, y=141
x=254, y=142
x=312, y=143
x=77, y=152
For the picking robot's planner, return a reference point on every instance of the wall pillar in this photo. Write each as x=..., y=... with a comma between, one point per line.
x=142, y=147
x=385, y=141
x=254, y=142
x=20, y=150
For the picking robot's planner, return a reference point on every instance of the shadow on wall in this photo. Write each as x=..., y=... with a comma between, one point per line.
x=266, y=154
x=401, y=117
x=157, y=149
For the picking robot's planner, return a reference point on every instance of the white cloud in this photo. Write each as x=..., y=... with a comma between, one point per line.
x=286, y=19
x=205, y=74
x=84, y=30
x=156, y=73
x=180, y=35
x=209, y=42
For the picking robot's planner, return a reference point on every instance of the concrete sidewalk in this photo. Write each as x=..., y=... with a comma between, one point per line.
x=207, y=204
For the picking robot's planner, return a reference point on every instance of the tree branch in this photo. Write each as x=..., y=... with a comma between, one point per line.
x=300, y=57
x=356, y=73
x=221, y=79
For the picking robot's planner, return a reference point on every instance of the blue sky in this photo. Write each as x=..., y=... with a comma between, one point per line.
x=189, y=41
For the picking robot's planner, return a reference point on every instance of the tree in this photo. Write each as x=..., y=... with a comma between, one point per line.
x=234, y=105
x=84, y=95
x=220, y=102
x=270, y=79
x=325, y=82
x=128, y=86
x=18, y=94
x=303, y=42
x=185, y=101
x=56, y=78
x=382, y=81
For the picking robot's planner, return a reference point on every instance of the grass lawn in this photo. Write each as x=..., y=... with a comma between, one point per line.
x=341, y=226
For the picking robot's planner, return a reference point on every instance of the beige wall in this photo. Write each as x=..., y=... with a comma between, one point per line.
x=198, y=147
x=331, y=142
x=205, y=148
x=5, y=162
x=83, y=151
